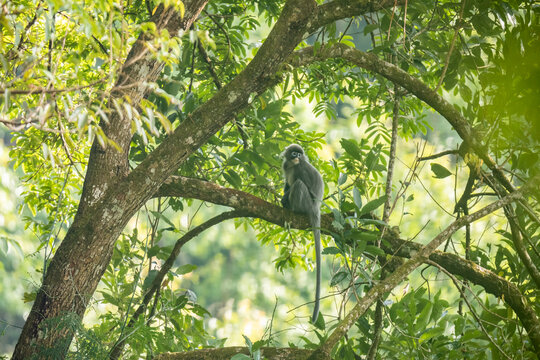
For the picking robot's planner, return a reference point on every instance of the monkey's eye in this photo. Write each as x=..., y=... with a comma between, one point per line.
x=295, y=154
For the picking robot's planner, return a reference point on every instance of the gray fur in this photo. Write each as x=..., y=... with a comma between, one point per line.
x=304, y=188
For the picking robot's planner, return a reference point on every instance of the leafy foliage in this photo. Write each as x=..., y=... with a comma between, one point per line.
x=62, y=59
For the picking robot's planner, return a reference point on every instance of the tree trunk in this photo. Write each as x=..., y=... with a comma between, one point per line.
x=82, y=258
x=110, y=197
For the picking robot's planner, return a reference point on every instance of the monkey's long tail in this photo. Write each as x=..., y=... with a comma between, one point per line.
x=316, y=225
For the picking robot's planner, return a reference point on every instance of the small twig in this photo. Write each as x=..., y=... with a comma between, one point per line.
x=438, y=155
x=452, y=44
x=64, y=144
x=391, y=19
x=101, y=46
x=346, y=29
x=192, y=67
x=43, y=90
x=483, y=194
x=208, y=62
x=392, y=156
x=378, y=319
x=224, y=33
x=404, y=22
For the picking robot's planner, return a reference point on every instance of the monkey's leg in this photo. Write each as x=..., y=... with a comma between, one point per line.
x=299, y=198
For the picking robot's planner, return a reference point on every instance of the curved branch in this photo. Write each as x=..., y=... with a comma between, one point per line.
x=342, y=9
x=118, y=347
x=185, y=187
x=190, y=188
x=478, y=275
x=423, y=92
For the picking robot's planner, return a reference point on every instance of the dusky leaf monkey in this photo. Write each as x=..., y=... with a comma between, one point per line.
x=304, y=188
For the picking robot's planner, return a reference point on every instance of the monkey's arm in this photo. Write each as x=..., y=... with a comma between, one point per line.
x=285, y=199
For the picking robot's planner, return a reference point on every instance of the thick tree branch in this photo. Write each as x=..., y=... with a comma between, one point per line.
x=342, y=9
x=190, y=188
x=228, y=352
x=501, y=288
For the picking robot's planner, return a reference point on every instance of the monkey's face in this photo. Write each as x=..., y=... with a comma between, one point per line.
x=295, y=157
x=294, y=154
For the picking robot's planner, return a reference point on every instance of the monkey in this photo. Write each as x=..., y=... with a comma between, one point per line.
x=303, y=193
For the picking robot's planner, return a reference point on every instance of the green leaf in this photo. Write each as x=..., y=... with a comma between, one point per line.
x=149, y=279
x=110, y=299
x=258, y=344
x=440, y=171
x=162, y=217
x=261, y=180
x=338, y=277
x=374, y=250
x=373, y=222
x=430, y=333
x=366, y=236
x=372, y=158
x=320, y=323
x=184, y=269
x=370, y=27
x=423, y=318
x=357, y=198
x=153, y=251
x=348, y=40
x=233, y=178
x=359, y=249
x=330, y=250
x=352, y=148
x=180, y=302
x=3, y=245
x=342, y=179
x=372, y=205
x=248, y=342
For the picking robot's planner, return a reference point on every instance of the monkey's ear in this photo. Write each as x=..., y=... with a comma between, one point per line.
x=282, y=155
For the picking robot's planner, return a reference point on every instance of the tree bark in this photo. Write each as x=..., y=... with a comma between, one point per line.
x=228, y=352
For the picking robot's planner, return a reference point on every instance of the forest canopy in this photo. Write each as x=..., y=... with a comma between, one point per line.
x=142, y=179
